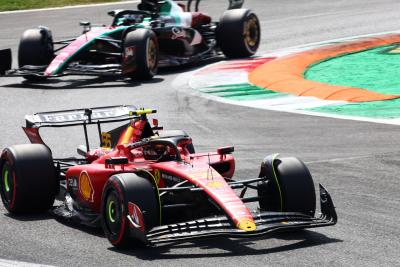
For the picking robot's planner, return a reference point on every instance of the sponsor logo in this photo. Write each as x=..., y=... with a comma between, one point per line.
x=129, y=59
x=135, y=216
x=178, y=33
x=129, y=52
x=85, y=187
x=79, y=115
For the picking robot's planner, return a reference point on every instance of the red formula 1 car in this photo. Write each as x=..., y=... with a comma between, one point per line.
x=158, y=33
x=147, y=185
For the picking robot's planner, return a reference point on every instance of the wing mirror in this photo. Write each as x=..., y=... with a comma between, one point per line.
x=233, y=4
x=87, y=26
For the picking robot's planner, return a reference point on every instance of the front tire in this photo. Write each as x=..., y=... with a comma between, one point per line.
x=140, y=54
x=289, y=186
x=120, y=190
x=238, y=33
x=35, y=49
x=28, y=179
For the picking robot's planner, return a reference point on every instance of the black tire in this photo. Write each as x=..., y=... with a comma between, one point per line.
x=118, y=192
x=140, y=54
x=292, y=190
x=35, y=49
x=28, y=179
x=238, y=33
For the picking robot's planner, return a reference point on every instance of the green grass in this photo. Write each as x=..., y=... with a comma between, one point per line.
x=8, y=5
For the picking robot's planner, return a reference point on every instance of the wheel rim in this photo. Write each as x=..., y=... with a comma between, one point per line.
x=252, y=33
x=7, y=183
x=151, y=54
x=111, y=211
x=113, y=216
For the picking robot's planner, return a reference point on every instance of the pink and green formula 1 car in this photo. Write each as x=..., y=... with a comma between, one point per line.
x=158, y=33
x=146, y=185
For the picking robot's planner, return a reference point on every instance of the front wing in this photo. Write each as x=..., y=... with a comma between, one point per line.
x=73, y=69
x=266, y=222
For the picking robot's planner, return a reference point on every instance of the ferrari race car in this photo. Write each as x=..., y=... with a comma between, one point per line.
x=159, y=33
x=144, y=185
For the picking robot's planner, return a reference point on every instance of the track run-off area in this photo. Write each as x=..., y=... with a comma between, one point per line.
x=321, y=79
x=357, y=160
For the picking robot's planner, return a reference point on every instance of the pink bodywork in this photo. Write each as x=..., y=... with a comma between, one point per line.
x=72, y=48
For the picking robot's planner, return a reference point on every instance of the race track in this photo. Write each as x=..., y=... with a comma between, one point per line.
x=358, y=162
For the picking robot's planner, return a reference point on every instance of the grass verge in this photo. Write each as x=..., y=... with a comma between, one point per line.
x=9, y=5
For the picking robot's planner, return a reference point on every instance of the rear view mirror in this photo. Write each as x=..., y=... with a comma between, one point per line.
x=233, y=4
x=82, y=150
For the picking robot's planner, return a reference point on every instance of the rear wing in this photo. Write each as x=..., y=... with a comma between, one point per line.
x=193, y=5
x=76, y=117
x=73, y=117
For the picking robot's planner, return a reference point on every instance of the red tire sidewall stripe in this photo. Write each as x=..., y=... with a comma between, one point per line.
x=123, y=219
x=12, y=204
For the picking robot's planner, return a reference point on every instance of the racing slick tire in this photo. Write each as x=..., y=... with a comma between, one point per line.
x=120, y=191
x=140, y=54
x=28, y=179
x=35, y=49
x=238, y=33
x=291, y=189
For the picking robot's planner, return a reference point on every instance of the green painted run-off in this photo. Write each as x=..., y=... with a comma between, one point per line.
x=241, y=92
x=373, y=69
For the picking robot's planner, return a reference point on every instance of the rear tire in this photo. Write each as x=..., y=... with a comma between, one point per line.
x=292, y=192
x=28, y=179
x=35, y=49
x=118, y=192
x=238, y=33
x=140, y=54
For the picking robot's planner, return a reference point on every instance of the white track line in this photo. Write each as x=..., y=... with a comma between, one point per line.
x=8, y=263
x=187, y=80
x=68, y=7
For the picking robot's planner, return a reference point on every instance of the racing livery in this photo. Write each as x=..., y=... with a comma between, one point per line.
x=146, y=185
x=158, y=33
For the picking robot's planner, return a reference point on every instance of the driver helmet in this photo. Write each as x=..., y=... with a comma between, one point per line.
x=150, y=5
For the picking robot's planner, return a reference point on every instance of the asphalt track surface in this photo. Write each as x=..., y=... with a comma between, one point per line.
x=357, y=161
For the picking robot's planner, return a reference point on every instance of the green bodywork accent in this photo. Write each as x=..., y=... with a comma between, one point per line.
x=6, y=183
x=111, y=211
x=120, y=28
x=376, y=69
x=241, y=92
x=167, y=10
x=274, y=157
